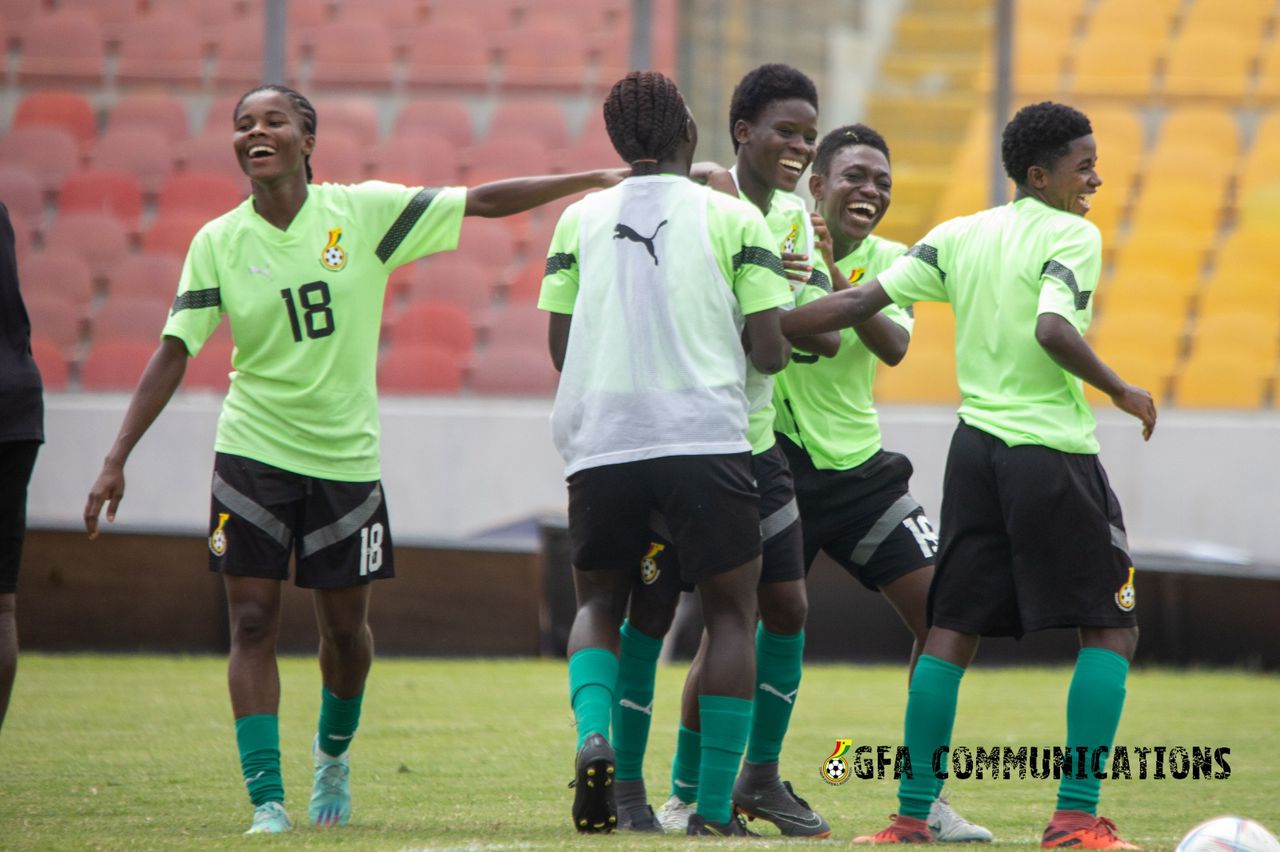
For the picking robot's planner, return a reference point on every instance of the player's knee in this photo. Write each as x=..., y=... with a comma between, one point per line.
x=252, y=625
x=786, y=617
x=653, y=622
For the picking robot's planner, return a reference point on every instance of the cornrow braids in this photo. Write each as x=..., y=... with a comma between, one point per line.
x=300, y=105
x=1038, y=135
x=762, y=86
x=646, y=118
x=843, y=137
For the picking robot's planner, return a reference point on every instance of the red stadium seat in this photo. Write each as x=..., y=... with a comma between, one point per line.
x=421, y=159
x=210, y=370
x=132, y=152
x=113, y=16
x=449, y=118
x=21, y=194
x=172, y=234
x=489, y=240
x=539, y=119
x=48, y=153
x=420, y=368
x=352, y=52
x=516, y=325
x=435, y=323
x=53, y=274
x=64, y=47
x=99, y=238
x=400, y=17
x=131, y=318
x=199, y=193
x=51, y=362
x=526, y=284
x=150, y=276
x=102, y=192
x=237, y=49
x=452, y=55
x=339, y=158
x=115, y=365
x=57, y=320
x=356, y=117
x=549, y=57
x=498, y=159
x=448, y=278
x=211, y=153
x=520, y=370
x=161, y=48
x=161, y=114
x=68, y=110
x=206, y=14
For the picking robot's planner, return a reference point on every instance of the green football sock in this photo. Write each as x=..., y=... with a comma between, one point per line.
x=778, y=660
x=1094, y=703
x=686, y=765
x=592, y=674
x=633, y=700
x=931, y=714
x=258, y=738
x=339, y=718
x=725, y=723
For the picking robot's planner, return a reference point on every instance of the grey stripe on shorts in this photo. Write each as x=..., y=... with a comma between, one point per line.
x=1119, y=539
x=345, y=526
x=894, y=515
x=244, y=506
x=779, y=520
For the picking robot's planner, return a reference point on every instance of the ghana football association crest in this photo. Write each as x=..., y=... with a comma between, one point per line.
x=1127, y=597
x=218, y=540
x=789, y=242
x=855, y=275
x=334, y=256
x=835, y=769
x=649, y=570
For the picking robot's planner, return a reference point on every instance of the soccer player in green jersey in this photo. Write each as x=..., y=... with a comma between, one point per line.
x=1032, y=535
x=300, y=271
x=773, y=117
x=650, y=286
x=853, y=494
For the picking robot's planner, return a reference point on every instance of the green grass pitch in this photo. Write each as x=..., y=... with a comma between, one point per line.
x=137, y=752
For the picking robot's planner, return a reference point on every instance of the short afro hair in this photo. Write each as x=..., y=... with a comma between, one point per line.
x=764, y=85
x=1038, y=135
x=843, y=137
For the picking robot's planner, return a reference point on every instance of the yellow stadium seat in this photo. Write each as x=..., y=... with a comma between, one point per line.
x=1269, y=71
x=1246, y=17
x=1145, y=331
x=1263, y=161
x=1117, y=128
x=1211, y=380
x=1061, y=16
x=1229, y=292
x=1177, y=156
x=925, y=376
x=1119, y=15
x=1214, y=126
x=1174, y=253
x=1188, y=74
x=1187, y=204
x=1135, y=365
x=1249, y=333
x=1116, y=62
x=1259, y=205
x=1147, y=292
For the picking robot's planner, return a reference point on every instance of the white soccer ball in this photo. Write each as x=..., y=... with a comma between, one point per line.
x=1229, y=834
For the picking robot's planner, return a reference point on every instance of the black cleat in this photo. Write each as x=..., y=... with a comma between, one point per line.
x=594, y=810
x=639, y=818
x=735, y=827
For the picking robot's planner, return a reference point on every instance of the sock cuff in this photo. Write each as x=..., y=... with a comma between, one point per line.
x=636, y=643
x=592, y=667
x=327, y=697
x=260, y=727
x=937, y=667
x=778, y=643
x=1103, y=657
x=726, y=722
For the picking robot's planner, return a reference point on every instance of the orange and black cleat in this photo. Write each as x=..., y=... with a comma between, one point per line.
x=903, y=829
x=1079, y=830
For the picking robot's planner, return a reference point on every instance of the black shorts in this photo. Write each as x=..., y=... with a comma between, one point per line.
x=1032, y=538
x=709, y=501
x=17, y=459
x=864, y=518
x=782, y=549
x=260, y=515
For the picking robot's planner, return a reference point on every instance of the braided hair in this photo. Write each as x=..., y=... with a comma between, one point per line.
x=646, y=118
x=300, y=105
x=843, y=137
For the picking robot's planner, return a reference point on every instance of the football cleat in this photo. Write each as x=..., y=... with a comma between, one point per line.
x=638, y=818
x=270, y=818
x=903, y=829
x=1079, y=830
x=780, y=805
x=674, y=815
x=594, y=809
x=698, y=826
x=947, y=826
x=331, y=793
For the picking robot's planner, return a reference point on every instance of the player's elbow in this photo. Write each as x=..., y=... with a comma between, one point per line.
x=1050, y=332
x=771, y=356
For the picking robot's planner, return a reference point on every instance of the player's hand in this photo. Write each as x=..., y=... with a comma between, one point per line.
x=1138, y=402
x=822, y=239
x=108, y=490
x=613, y=177
x=796, y=266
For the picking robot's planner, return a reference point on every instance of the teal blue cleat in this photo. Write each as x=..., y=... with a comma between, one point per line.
x=270, y=818
x=331, y=795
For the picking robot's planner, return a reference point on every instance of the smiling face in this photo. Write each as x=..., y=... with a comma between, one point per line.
x=1072, y=178
x=779, y=145
x=270, y=140
x=855, y=193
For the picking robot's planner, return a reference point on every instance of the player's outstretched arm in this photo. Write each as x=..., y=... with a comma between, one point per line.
x=886, y=339
x=843, y=309
x=1072, y=353
x=516, y=195
x=159, y=380
x=766, y=345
